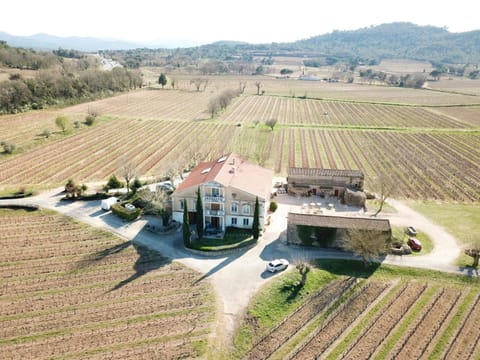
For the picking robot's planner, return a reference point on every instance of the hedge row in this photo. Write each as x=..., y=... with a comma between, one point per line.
x=129, y=215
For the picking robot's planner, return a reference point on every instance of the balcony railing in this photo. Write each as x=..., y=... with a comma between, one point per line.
x=214, y=199
x=209, y=212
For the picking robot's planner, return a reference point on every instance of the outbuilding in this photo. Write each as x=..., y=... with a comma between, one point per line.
x=329, y=230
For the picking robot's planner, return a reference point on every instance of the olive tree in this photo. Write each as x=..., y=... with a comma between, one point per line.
x=473, y=250
x=271, y=123
x=63, y=123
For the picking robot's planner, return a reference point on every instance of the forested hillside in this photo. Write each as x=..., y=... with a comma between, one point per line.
x=37, y=79
x=367, y=45
x=399, y=40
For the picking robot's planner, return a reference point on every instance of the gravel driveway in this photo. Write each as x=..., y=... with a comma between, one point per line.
x=236, y=277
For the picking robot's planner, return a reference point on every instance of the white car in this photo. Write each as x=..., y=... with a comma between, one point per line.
x=130, y=207
x=412, y=231
x=277, y=265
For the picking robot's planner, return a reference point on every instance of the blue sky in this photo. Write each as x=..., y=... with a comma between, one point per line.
x=205, y=21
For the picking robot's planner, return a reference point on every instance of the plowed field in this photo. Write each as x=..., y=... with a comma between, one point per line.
x=69, y=291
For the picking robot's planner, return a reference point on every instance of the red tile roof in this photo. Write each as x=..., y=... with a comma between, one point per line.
x=231, y=171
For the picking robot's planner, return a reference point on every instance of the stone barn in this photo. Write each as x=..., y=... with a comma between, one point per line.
x=329, y=230
x=323, y=182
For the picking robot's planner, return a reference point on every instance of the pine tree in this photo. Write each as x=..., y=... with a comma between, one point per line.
x=256, y=220
x=199, y=214
x=186, y=225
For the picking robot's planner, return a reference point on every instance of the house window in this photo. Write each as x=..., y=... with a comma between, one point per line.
x=215, y=192
x=181, y=204
x=246, y=209
x=234, y=207
x=245, y=222
x=234, y=221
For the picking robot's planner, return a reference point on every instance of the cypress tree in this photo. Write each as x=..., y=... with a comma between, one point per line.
x=199, y=214
x=256, y=220
x=186, y=225
x=162, y=80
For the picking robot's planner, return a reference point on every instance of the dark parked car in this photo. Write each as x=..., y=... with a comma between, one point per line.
x=415, y=244
x=412, y=231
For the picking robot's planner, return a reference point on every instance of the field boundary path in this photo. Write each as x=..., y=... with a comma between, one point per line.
x=238, y=276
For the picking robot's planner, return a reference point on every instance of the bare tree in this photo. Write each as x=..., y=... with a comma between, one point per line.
x=303, y=269
x=193, y=153
x=385, y=187
x=205, y=83
x=367, y=244
x=128, y=171
x=258, y=85
x=156, y=203
x=243, y=85
x=197, y=82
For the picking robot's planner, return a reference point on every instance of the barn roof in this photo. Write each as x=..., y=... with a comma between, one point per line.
x=339, y=222
x=318, y=172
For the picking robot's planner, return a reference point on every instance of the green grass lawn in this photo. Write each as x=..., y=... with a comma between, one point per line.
x=398, y=234
x=462, y=220
x=233, y=238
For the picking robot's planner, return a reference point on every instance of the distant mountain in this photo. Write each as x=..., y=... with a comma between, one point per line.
x=398, y=40
x=44, y=41
x=394, y=40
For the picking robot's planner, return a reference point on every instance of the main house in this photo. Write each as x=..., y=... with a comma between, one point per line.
x=228, y=187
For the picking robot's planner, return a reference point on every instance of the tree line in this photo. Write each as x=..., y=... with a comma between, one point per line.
x=27, y=59
x=66, y=82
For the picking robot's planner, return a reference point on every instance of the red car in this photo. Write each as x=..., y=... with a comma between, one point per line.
x=414, y=244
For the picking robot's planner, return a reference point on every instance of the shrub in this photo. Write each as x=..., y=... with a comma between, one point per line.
x=273, y=206
x=113, y=183
x=46, y=133
x=63, y=122
x=137, y=184
x=89, y=120
x=8, y=148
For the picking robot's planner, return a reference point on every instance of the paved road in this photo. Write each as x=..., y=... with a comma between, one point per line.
x=238, y=276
